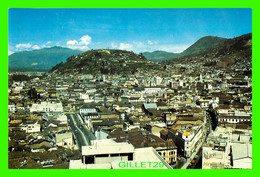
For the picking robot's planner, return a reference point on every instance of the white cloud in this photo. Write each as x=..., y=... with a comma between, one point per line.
x=113, y=45
x=178, y=51
x=77, y=47
x=83, y=48
x=125, y=46
x=137, y=46
x=82, y=44
x=49, y=42
x=85, y=40
x=35, y=47
x=173, y=48
x=10, y=52
x=149, y=42
x=28, y=45
x=72, y=42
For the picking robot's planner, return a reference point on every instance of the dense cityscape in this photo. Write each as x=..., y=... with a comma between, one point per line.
x=200, y=118
x=130, y=88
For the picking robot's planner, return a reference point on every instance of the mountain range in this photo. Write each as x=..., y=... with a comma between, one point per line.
x=201, y=45
x=41, y=59
x=232, y=53
x=47, y=58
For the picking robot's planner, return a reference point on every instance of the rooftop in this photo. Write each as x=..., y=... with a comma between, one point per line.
x=107, y=146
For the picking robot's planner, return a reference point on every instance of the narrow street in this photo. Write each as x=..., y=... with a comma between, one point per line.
x=81, y=134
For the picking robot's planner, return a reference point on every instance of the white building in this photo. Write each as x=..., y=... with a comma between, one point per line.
x=242, y=156
x=64, y=139
x=188, y=136
x=87, y=110
x=47, y=107
x=152, y=90
x=31, y=127
x=233, y=119
x=106, y=151
x=108, y=154
x=191, y=138
x=11, y=108
x=63, y=119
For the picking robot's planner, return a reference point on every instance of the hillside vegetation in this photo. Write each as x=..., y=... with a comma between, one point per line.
x=105, y=61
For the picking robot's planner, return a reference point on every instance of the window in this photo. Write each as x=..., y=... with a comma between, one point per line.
x=114, y=155
x=102, y=155
x=89, y=159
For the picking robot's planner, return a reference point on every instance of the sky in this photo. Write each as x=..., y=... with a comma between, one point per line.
x=138, y=30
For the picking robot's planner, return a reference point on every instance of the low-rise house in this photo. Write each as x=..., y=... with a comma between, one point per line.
x=166, y=149
x=64, y=139
x=169, y=119
x=204, y=103
x=31, y=126
x=11, y=108
x=62, y=119
x=233, y=119
x=86, y=110
x=104, y=113
x=39, y=145
x=47, y=107
x=155, y=128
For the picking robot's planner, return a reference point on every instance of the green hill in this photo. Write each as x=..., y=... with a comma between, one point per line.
x=202, y=45
x=105, y=61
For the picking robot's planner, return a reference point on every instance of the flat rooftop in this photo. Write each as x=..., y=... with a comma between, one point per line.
x=107, y=146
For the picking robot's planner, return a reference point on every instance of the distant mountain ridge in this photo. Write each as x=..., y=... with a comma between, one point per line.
x=46, y=58
x=158, y=56
x=39, y=59
x=203, y=44
x=232, y=53
x=199, y=46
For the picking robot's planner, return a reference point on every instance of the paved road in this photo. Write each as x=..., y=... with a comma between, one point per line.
x=80, y=132
x=197, y=164
x=89, y=135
